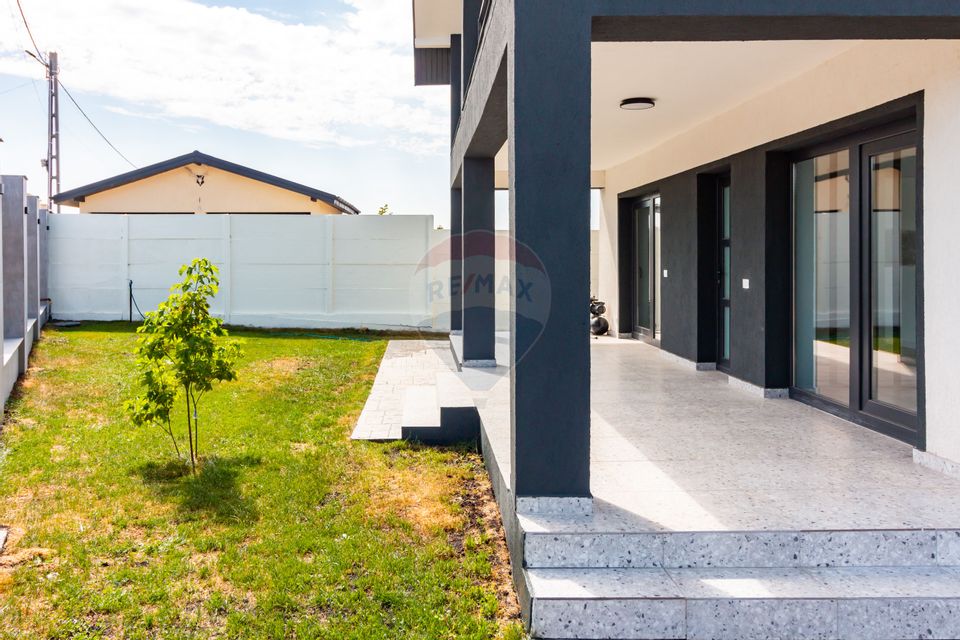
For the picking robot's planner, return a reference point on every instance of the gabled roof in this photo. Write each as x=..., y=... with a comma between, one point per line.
x=72, y=197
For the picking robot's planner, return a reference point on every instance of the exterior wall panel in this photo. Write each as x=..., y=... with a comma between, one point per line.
x=177, y=191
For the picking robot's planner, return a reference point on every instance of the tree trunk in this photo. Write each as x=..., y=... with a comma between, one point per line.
x=193, y=459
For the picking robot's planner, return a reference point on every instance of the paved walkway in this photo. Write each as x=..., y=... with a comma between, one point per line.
x=406, y=363
x=673, y=449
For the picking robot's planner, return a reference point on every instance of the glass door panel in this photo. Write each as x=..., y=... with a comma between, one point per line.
x=893, y=278
x=643, y=293
x=724, y=277
x=822, y=276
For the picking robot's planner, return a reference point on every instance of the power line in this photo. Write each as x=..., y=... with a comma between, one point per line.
x=19, y=86
x=95, y=128
x=30, y=33
x=44, y=62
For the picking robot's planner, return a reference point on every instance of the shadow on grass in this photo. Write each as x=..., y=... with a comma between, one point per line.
x=212, y=492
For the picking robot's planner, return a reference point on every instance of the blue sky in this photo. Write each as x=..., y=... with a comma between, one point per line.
x=317, y=91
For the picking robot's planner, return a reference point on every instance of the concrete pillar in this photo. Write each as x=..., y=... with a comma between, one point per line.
x=44, y=253
x=469, y=40
x=549, y=141
x=14, y=262
x=479, y=263
x=33, y=258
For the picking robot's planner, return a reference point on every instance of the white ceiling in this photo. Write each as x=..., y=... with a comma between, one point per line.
x=434, y=21
x=692, y=82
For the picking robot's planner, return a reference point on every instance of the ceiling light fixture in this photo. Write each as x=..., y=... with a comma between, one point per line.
x=637, y=104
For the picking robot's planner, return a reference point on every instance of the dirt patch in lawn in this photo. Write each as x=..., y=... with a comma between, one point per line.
x=275, y=371
x=416, y=497
x=483, y=522
x=12, y=557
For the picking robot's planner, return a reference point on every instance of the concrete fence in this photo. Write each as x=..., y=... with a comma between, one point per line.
x=275, y=271
x=389, y=272
x=22, y=279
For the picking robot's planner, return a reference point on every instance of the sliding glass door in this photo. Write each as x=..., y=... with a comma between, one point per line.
x=890, y=384
x=822, y=276
x=855, y=344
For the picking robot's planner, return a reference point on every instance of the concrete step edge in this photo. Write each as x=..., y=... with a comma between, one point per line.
x=760, y=549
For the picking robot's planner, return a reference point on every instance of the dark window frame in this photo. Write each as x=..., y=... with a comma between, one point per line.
x=879, y=417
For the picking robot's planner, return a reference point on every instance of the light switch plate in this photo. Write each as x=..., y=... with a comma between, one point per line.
x=746, y=283
x=666, y=274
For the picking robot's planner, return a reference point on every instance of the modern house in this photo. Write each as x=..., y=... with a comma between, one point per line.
x=776, y=250
x=197, y=183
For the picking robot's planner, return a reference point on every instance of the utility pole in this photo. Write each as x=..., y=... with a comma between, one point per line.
x=53, y=129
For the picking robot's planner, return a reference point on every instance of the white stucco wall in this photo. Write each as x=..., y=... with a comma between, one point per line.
x=276, y=271
x=867, y=75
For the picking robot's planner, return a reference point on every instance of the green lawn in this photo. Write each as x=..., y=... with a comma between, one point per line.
x=289, y=530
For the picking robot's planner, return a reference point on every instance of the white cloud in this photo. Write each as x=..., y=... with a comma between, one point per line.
x=344, y=85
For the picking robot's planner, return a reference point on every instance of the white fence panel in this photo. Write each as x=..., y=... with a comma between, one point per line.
x=87, y=266
x=276, y=271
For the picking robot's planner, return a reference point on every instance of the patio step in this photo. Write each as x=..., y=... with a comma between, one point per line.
x=737, y=549
x=440, y=414
x=738, y=604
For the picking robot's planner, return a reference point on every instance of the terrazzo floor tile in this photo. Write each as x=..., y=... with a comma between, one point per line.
x=731, y=549
x=872, y=619
x=890, y=582
x=675, y=450
x=868, y=548
x=761, y=619
x=609, y=619
x=605, y=603
x=600, y=583
x=748, y=584
x=593, y=550
x=948, y=547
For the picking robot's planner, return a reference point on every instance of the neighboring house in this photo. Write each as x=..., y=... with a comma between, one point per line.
x=779, y=203
x=197, y=183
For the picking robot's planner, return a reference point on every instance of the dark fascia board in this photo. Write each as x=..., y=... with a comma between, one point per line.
x=74, y=196
x=431, y=67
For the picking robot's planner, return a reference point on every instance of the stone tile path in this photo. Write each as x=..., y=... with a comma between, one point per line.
x=406, y=363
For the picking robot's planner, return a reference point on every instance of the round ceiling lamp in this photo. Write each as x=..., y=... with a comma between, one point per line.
x=637, y=104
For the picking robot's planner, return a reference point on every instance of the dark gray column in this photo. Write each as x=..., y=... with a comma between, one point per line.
x=456, y=87
x=470, y=39
x=479, y=286
x=549, y=133
x=456, y=260
x=456, y=197
x=14, y=259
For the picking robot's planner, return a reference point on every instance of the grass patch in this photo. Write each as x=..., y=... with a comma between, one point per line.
x=288, y=530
